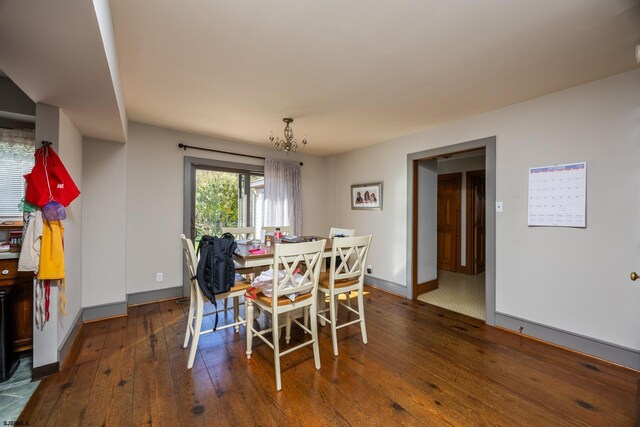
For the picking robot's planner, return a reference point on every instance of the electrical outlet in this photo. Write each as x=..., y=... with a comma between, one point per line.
x=159, y=277
x=369, y=269
x=499, y=207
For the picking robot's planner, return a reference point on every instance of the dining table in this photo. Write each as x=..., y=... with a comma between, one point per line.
x=245, y=258
x=258, y=261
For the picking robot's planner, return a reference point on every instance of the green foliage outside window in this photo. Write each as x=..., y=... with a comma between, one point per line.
x=216, y=202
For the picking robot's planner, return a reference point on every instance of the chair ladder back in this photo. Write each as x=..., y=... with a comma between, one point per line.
x=285, y=229
x=290, y=265
x=346, y=232
x=241, y=233
x=289, y=257
x=190, y=255
x=349, y=257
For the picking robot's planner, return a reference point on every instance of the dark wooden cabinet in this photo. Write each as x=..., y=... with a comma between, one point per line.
x=21, y=284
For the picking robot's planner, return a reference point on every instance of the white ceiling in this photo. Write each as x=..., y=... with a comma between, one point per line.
x=351, y=73
x=354, y=73
x=54, y=51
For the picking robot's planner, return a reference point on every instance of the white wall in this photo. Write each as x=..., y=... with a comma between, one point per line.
x=427, y=257
x=45, y=340
x=572, y=279
x=155, y=168
x=382, y=162
x=53, y=125
x=70, y=152
x=330, y=192
x=462, y=165
x=104, y=234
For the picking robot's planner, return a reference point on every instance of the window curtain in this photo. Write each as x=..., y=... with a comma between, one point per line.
x=282, y=189
x=16, y=159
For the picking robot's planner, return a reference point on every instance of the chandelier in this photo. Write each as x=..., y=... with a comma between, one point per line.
x=288, y=143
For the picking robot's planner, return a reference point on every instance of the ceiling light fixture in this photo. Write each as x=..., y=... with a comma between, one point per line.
x=288, y=143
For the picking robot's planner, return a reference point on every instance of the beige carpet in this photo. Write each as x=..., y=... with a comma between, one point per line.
x=458, y=292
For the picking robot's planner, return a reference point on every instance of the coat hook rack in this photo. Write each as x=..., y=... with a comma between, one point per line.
x=46, y=143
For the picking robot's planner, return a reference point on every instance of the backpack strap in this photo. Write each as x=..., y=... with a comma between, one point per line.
x=201, y=267
x=215, y=306
x=198, y=250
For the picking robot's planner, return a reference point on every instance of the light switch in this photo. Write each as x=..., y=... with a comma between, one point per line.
x=498, y=206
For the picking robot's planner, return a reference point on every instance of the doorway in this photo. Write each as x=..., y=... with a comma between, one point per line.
x=449, y=210
x=220, y=194
x=454, y=255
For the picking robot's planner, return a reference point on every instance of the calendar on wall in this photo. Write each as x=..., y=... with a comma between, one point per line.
x=558, y=195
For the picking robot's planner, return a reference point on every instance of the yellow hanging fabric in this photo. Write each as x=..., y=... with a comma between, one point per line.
x=52, y=251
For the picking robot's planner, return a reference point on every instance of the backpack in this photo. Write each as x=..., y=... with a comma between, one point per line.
x=216, y=271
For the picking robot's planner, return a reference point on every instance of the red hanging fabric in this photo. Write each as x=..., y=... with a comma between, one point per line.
x=49, y=180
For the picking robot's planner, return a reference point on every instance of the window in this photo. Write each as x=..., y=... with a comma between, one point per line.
x=223, y=195
x=16, y=159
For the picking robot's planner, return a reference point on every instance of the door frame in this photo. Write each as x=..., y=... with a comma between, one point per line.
x=190, y=166
x=489, y=143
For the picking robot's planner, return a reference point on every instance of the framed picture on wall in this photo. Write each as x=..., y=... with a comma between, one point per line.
x=367, y=196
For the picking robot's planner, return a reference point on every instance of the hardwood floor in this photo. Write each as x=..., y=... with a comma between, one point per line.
x=423, y=365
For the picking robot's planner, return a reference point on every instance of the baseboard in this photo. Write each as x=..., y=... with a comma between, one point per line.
x=429, y=286
x=154, y=295
x=385, y=285
x=65, y=346
x=44, y=370
x=105, y=310
x=117, y=309
x=624, y=356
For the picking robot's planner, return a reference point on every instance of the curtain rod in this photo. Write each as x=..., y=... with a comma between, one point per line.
x=185, y=146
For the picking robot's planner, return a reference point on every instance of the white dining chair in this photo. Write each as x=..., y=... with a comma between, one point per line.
x=196, y=305
x=345, y=232
x=342, y=232
x=286, y=229
x=345, y=275
x=288, y=258
x=243, y=233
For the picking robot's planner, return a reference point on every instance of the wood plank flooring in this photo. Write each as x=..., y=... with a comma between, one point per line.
x=423, y=366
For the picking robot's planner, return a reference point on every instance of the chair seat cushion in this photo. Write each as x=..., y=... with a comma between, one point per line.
x=240, y=284
x=282, y=300
x=324, y=281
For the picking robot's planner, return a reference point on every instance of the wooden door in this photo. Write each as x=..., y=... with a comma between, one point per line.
x=449, y=186
x=476, y=221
